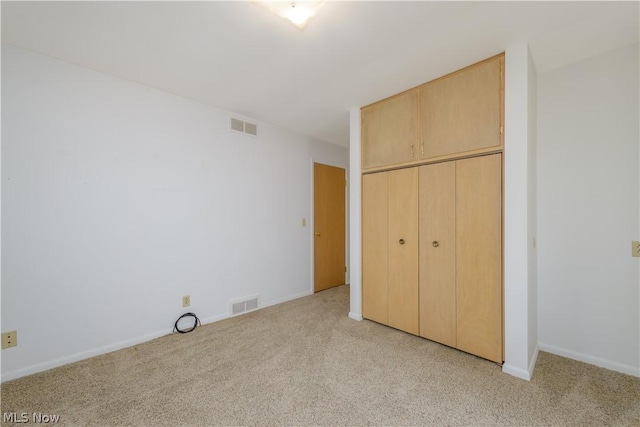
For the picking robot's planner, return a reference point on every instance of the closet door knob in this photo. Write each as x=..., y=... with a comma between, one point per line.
x=316, y=233
x=435, y=244
x=401, y=241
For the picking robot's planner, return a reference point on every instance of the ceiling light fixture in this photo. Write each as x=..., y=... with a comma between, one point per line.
x=297, y=12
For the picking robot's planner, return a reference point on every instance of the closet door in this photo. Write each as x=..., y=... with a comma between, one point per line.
x=403, y=250
x=375, y=247
x=390, y=131
x=462, y=111
x=438, y=252
x=479, y=256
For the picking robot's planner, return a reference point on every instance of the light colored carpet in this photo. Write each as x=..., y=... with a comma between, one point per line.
x=305, y=362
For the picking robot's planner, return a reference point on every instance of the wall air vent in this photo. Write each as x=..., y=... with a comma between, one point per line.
x=237, y=124
x=243, y=126
x=251, y=128
x=244, y=305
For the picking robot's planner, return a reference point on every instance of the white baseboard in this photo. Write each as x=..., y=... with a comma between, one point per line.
x=12, y=375
x=285, y=299
x=524, y=374
x=216, y=318
x=592, y=360
x=355, y=316
x=534, y=360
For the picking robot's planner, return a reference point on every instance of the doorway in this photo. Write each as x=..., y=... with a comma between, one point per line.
x=329, y=236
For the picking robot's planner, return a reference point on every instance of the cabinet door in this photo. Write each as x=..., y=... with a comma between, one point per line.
x=403, y=250
x=438, y=252
x=375, y=247
x=461, y=112
x=389, y=131
x=479, y=256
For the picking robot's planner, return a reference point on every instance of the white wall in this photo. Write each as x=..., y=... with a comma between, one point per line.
x=355, y=215
x=1, y=161
x=589, y=210
x=519, y=203
x=532, y=219
x=118, y=199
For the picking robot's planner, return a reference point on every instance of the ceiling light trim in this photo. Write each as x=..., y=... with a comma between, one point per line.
x=297, y=12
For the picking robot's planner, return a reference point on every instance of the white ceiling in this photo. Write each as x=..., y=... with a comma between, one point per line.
x=239, y=57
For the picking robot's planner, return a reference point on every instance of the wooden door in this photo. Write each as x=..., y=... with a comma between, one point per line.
x=403, y=250
x=389, y=131
x=438, y=252
x=462, y=111
x=375, y=247
x=479, y=256
x=329, y=226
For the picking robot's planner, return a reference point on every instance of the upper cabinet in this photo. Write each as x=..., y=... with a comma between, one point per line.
x=390, y=131
x=462, y=111
x=458, y=115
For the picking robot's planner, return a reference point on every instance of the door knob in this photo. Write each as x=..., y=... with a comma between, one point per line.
x=316, y=233
x=401, y=241
x=435, y=244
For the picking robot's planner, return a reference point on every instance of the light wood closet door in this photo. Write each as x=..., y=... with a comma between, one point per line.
x=390, y=131
x=461, y=112
x=438, y=252
x=479, y=256
x=403, y=250
x=375, y=247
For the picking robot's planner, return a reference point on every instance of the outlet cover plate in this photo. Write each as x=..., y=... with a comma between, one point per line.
x=186, y=300
x=635, y=248
x=9, y=339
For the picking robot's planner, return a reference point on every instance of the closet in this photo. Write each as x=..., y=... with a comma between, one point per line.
x=432, y=210
x=461, y=112
x=390, y=248
x=460, y=254
x=390, y=129
x=458, y=115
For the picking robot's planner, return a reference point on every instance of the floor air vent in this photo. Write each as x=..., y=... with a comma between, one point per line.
x=244, y=126
x=244, y=305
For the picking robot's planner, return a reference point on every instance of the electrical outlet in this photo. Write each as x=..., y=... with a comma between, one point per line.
x=635, y=249
x=186, y=301
x=9, y=339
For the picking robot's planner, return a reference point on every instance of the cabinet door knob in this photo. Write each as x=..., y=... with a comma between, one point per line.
x=316, y=233
x=435, y=244
x=401, y=241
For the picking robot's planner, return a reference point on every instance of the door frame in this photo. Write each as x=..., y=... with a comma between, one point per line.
x=311, y=222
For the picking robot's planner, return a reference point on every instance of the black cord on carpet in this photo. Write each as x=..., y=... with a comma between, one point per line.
x=196, y=321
